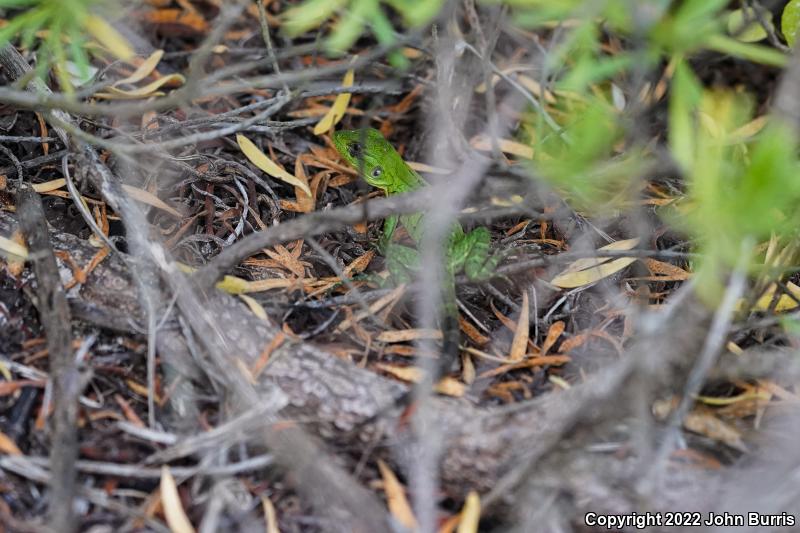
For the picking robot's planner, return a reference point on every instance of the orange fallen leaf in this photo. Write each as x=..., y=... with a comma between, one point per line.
x=396, y=497
x=179, y=21
x=555, y=331
x=540, y=360
x=8, y=446
x=519, y=344
x=405, y=335
x=472, y=332
x=304, y=200
x=266, y=353
x=359, y=264
x=666, y=271
x=374, y=308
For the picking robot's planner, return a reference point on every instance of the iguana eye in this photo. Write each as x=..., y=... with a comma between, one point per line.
x=355, y=149
x=376, y=172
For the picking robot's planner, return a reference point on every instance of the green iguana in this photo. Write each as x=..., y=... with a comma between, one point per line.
x=382, y=167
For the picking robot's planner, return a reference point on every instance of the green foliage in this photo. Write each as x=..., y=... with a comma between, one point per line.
x=355, y=16
x=664, y=30
x=581, y=161
x=740, y=190
x=737, y=192
x=790, y=21
x=58, y=28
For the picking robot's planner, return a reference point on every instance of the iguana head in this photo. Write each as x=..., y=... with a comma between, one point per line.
x=371, y=154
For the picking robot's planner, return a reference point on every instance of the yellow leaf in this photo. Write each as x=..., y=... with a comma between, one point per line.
x=12, y=248
x=336, y=112
x=529, y=83
x=785, y=302
x=259, y=159
x=374, y=308
x=705, y=423
x=229, y=284
x=151, y=89
x=470, y=514
x=483, y=142
x=427, y=169
x=396, y=497
x=447, y=385
x=234, y=285
x=450, y=387
x=571, y=280
x=591, y=269
x=177, y=520
x=120, y=95
x=48, y=186
x=730, y=400
x=268, y=284
x=143, y=70
x=588, y=270
x=108, y=37
x=589, y=262
x=534, y=87
x=254, y=306
x=559, y=382
x=150, y=199
x=269, y=515
x=747, y=131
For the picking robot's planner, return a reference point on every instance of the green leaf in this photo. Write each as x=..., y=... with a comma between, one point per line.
x=684, y=97
x=790, y=21
x=417, y=12
x=749, y=51
x=355, y=16
x=310, y=14
x=790, y=324
x=351, y=25
x=743, y=24
x=694, y=11
x=11, y=29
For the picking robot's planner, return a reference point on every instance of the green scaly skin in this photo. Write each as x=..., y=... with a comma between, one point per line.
x=381, y=166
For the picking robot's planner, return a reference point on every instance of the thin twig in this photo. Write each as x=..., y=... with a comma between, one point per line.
x=55, y=316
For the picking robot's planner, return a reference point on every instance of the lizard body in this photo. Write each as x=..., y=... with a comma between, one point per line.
x=381, y=166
